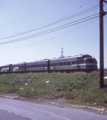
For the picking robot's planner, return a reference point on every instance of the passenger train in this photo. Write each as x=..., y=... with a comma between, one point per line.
x=62, y=64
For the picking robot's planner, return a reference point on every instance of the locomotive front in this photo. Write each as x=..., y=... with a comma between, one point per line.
x=90, y=62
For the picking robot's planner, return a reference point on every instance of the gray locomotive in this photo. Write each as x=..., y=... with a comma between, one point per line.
x=62, y=64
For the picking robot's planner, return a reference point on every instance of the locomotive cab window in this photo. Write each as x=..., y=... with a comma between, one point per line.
x=85, y=56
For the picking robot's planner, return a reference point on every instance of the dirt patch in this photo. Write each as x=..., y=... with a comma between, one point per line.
x=59, y=102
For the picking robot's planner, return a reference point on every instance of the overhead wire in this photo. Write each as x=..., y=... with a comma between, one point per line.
x=38, y=9
x=51, y=30
x=78, y=7
x=38, y=15
x=49, y=11
x=57, y=36
x=63, y=18
x=30, y=12
x=67, y=31
x=48, y=25
x=87, y=20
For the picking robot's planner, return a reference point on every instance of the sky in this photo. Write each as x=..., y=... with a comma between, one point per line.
x=33, y=30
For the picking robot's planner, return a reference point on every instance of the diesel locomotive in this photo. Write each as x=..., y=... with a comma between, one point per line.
x=62, y=64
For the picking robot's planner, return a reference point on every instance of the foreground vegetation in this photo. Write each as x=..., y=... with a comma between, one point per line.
x=78, y=88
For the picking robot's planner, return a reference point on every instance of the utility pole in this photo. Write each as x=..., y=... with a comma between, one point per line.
x=102, y=13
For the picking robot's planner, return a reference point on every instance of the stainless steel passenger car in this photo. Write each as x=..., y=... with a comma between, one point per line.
x=5, y=68
x=37, y=66
x=19, y=67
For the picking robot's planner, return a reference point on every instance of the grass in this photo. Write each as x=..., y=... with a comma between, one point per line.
x=78, y=88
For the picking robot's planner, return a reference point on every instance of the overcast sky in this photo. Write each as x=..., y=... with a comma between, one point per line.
x=37, y=29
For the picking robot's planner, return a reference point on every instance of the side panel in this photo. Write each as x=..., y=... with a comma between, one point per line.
x=37, y=69
x=63, y=67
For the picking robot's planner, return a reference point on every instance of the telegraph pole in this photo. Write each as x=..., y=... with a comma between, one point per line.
x=101, y=46
x=102, y=13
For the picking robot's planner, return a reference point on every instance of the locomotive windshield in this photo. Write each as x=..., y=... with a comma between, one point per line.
x=90, y=60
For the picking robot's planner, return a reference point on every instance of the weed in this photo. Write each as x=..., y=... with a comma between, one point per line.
x=78, y=87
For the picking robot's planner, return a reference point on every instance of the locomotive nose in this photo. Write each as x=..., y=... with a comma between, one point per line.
x=95, y=61
x=90, y=60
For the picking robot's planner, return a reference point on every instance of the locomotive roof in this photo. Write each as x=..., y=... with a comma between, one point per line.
x=38, y=61
x=46, y=60
x=71, y=57
x=19, y=64
x=5, y=65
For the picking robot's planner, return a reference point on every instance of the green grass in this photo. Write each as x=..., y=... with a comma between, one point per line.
x=78, y=88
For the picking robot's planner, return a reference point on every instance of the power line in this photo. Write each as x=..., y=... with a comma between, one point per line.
x=49, y=31
x=61, y=20
x=67, y=31
x=42, y=13
x=45, y=6
x=30, y=12
x=53, y=37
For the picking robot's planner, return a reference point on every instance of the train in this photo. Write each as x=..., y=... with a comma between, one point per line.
x=62, y=64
